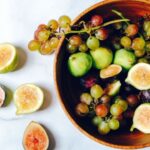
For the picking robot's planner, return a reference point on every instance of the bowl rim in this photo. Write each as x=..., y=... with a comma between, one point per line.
x=87, y=10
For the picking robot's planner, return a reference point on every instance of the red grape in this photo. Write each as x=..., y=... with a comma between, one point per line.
x=96, y=20
x=75, y=40
x=42, y=26
x=101, y=34
x=101, y=110
x=132, y=100
x=131, y=30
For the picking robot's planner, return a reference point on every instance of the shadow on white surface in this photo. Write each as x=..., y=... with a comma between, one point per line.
x=47, y=99
x=22, y=57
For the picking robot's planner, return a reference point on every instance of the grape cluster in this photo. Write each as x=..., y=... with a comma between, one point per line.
x=46, y=37
x=109, y=112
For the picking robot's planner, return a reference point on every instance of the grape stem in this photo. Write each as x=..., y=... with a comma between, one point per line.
x=88, y=30
x=122, y=16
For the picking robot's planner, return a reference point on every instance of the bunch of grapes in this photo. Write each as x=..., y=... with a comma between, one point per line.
x=46, y=37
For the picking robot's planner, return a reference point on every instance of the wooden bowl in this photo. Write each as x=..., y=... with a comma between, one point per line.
x=68, y=88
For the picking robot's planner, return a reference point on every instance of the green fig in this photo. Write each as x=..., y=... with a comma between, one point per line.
x=79, y=64
x=102, y=57
x=124, y=58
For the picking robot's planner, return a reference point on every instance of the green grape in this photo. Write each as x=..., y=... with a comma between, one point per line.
x=64, y=21
x=54, y=42
x=122, y=103
x=97, y=120
x=82, y=109
x=46, y=48
x=83, y=47
x=114, y=124
x=116, y=109
x=43, y=35
x=96, y=91
x=75, y=40
x=138, y=44
x=139, y=53
x=142, y=60
x=86, y=98
x=34, y=45
x=125, y=42
x=92, y=42
x=103, y=128
x=146, y=26
x=53, y=24
x=71, y=48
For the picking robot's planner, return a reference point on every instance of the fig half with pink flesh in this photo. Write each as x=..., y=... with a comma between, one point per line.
x=35, y=137
x=2, y=96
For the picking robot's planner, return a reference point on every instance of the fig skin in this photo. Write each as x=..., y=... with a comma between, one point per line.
x=79, y=64
x=124, y=58
x=102, y=57
x=35, y=137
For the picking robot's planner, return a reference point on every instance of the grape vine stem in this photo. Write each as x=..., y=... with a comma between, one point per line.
x=94, y=28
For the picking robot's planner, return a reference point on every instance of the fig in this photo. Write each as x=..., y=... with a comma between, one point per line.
x=110, y=71
x=28, y=98
x=2, y=95
x=113, y=88
x=124, y=58
x=139, y=76
x=145, y=96
x=35, y=137
x=141, y=118
x=102, y=57
x=8, y=58
x=79, y=64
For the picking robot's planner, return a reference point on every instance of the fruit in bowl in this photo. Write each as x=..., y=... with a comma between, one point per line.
x=106, y=112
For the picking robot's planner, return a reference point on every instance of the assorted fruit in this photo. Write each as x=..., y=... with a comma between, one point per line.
x=112, y=63
x=35, y=137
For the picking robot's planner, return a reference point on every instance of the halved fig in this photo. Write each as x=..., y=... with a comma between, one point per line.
x=110, y=71
x=35, y=137
x=113, y=88
x=141, y=118
x=2, y=95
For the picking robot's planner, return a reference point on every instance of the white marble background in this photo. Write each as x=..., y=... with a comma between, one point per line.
x=18, y=20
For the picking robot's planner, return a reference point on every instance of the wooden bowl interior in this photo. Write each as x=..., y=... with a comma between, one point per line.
x=69, y=89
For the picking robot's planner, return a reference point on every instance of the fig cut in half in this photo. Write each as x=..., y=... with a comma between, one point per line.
x=8, y=58
x=139, y=76
x=35, y=137
x=141, y=118
x=110, y=71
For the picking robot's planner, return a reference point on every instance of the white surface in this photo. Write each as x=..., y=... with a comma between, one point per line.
x=18, y=20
